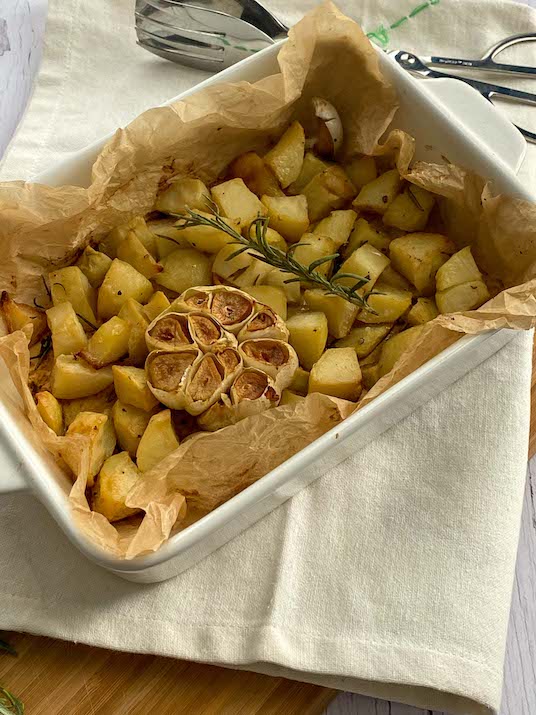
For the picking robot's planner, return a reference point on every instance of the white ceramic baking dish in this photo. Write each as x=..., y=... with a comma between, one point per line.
x=447, y=118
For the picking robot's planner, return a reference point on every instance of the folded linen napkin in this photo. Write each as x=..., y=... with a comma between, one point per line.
x=391, y=576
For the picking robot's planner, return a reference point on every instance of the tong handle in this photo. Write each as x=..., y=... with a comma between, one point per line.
x=488, y=64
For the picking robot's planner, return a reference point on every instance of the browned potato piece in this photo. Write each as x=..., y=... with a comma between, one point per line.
x=99, y=430
x=337, y=373
x=312, y=165
x=131, y=387
x=130, y=423
x=364, y=339
x=110, y=244
x=69, y=285
x=206, y=239
x=410, y=210
x=418, y=256
x=366, y=262
x=339, y=312
x=134, y=314
x=168, y=236
x=19, y=316
x=378, y=194
x=370, y=375
x=257, y=176
x=100, y=402
x=73, y=378
x=393, y=348
x=50, y=410
x=271, y=296
x=460, y=268
x=132, y=251
x=116, y=478
x=286, y=158
x=272, y=237
x=465, y=296
x=388, y=304
x=158, y=303
x=94, y=265
x=300, y=381
x=158, y=441
x=425, y=309
x=121, y=283
x=288, y=215
x=328, y=191
x=364, y=233
x=277, y=277
x=393, y=278
x=361, y=171
x=241, y=270
x=183, y=193
x=313, y=247
x=308, y=336
x=108, y=344
x=237, y=202
x=338, y=226
x=185, y=268
x=68, y=334
x=290, y=398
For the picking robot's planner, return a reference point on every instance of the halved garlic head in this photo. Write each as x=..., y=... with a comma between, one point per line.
x=264, y=324
x=167, y=373
x=274, y=357
x=329, y=131
x=169, y=332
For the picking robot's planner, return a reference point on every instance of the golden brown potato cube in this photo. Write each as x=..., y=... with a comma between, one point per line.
x=460, y=268
x=237, y=202
x=255, y=173
x=130, y=423
x=272, y=237
x=364, y=339
x=158, y=441
x=271, y=296
x=277, y=277
x=425, y=309
x=337, y=373
x=158, y=303
x=168, y=237
x=108, y=344
x=288, y=215
x=328, y=191
x=69, y=285
x=242, y=270
x=394, y=348
x=290, y=398
x=388, y=304
x=313, y=247
x=418, y=256
x=308, y=336
x=410, y=210
x=19, y=316
x=50, y=411
x=183, y=193
x=378, y=194
x=100, y=402
x=465, y=296
x=361, y=171
x=185, y=268
x=121, y=283
x=370, y=374
x=135, y=315
x=206, y=239
x=366, y=262
x=68, y=335
x=393, y=278
x=339, y=312
x=131, y=387
x=94, y=265
x=132, y=251
x=364, y=233
x=373, y=357
x=116, y=478
x=286, y=157
x=110, y=244
x=337, y=226
x=73, y=378
x=300, y=381
x=311, y=166
x=99, y=430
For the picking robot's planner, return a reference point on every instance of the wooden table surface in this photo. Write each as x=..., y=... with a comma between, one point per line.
x=57, y=678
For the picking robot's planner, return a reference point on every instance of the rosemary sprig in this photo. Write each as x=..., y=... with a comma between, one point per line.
x=9, y=703
x=414, y=199
x=46, y=345
x=258, y=246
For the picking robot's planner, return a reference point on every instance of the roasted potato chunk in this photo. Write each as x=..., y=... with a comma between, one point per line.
x=121, y=283
x=300, y=381
x=183, y=193
x=110, y=244
x=241, y=270
x=290, y=398
x=395, y=347
x=130, y=423
x=68, y=334
x=364, y=339
x=339, y=312
x=337, y=373
x=99, y=430
x=131, y=387
x=168, y=236
x=288, y=215
x=158, y=303
x=366, y=262
x=328, y=191
x=205, y=238
x=100, y=402
x=19, y=316
x=185, y=268
x=466, y=296
x=410, y=210
x=132, y=251
x=388, y=304
x=158, y=441
x=116, y=478
x=393, y=278
x=256, y=175
x=311, y=166
x=277, y=277
x=418, y=256
x=73, y=378
x=379, y=193
x=363, y=233
x=94, y=265
x=286, y=158
x=425, y=309
x=308, y=336
x=361, y=171
x=237, y=202
x=312, y=248
x=460, y=268
x=337, y=226
x=134, y=314
x=271, y=296
x=50, y=411
x=108, y=344
x=69, y=285
x=370, y=374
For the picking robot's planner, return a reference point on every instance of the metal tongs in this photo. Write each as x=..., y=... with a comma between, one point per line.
x=424, y=66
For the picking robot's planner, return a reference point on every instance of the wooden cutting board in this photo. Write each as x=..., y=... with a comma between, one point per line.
x=58, y=678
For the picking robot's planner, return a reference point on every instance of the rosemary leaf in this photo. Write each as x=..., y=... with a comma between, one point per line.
x=9, y=704
x=86, y=321
x=414, y=199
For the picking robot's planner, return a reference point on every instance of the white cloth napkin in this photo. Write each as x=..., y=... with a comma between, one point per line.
x=391, y=576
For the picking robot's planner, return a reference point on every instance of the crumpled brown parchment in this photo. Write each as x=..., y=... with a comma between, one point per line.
x=326, y=55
